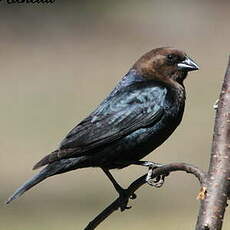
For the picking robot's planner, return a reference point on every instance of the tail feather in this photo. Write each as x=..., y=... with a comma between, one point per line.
x=56, y=167
x=42, y=175
x=47, y=160
x=55, y=156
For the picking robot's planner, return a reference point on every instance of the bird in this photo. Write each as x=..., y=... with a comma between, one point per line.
x=139, y=114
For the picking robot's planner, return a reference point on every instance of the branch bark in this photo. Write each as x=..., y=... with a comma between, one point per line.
x=134, y=186
x=212, y=208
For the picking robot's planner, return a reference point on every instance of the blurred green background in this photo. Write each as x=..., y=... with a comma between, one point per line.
x=58, y=62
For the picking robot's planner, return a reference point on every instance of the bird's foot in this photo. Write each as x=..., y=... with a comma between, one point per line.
x=157, y=181
x=124, y=197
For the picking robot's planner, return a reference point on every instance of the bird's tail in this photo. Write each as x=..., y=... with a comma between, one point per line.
x=42, y=175
x=52, y=169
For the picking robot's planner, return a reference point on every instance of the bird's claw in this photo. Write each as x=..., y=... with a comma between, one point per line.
x=124, y=203
x=158, y=181
x=133, y=196
x=124, y=207
x=124, y=199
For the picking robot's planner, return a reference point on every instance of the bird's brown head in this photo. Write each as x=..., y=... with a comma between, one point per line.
x=165, y=64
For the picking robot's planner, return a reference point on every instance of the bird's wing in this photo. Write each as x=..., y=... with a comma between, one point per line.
x=130, y=108
x=133, y=107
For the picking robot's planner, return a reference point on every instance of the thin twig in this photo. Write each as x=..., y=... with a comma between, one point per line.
x=134, y=186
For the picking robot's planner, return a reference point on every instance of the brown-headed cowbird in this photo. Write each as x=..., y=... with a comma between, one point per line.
x=141, y=112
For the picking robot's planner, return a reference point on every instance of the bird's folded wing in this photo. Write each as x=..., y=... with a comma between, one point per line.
x=136, y=106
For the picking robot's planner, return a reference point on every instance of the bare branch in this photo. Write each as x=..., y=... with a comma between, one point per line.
x=163, y=170
x=213, y=206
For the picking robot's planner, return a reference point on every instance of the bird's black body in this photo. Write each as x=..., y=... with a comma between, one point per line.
x=139, y=115
x=133, y=120
x=149, y=111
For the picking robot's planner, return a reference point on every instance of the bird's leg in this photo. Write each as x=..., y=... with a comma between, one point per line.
x=156, y=181
x=121, y=191
x=118, y=188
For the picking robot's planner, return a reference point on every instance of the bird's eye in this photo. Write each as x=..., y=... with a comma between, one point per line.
x=172, y=59
x=170, y=56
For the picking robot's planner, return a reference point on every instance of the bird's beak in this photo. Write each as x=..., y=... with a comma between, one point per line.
x=188, y=64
